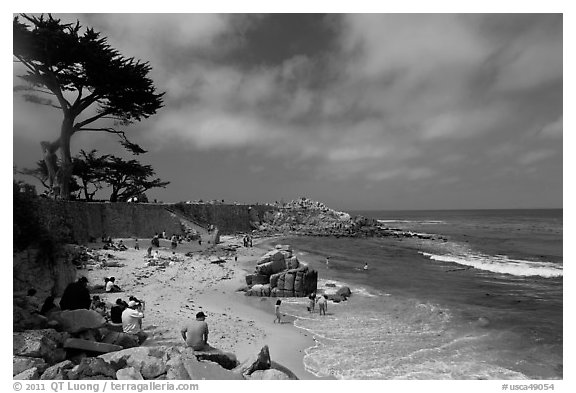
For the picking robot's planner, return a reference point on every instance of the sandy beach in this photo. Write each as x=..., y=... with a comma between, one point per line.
x=175, y=293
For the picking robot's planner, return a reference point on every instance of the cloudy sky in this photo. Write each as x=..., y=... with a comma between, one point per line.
x=360, y=111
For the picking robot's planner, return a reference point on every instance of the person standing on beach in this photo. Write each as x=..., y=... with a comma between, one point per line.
x=322, y=305
x=195, y=333
x=312, y=302
x=277, y=311
x=174, y=241
x=328, y=261
x=136, y=245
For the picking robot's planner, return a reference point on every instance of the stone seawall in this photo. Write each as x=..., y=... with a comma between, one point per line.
x=80, y=221
x=227, y=218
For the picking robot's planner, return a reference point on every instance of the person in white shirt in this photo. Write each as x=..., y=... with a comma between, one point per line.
x=132, y=320
x=111, y=285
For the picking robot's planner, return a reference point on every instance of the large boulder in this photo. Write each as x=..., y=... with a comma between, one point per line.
x=271, y=374
x=274, y=255
x=23, y=363
x=310, y=283
x=92, y=367
x=260, y=361
x=277, y=366
x=76, y=321
x=28, y=375
x=253, y=279
x=344, y=292
x=276, y=265
x=292, y=263
x=125, y=340
x=128, y=373
x=58, y=371
x=289, y=279
x=259, y=290
x=225, y=359
x=183, y=365
x=90, y=346
x=43, y=344
x=149, y=361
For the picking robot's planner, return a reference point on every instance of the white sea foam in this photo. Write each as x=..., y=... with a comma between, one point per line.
x=501, y=264
x=356, y=290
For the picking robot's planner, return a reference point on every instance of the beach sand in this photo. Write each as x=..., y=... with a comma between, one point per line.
x=174, y=294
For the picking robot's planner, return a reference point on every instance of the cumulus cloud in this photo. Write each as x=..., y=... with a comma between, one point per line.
x=394, y=92
x=536, y=156
x=553, y=129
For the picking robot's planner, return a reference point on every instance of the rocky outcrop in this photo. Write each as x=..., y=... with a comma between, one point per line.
x=278, y=273
x=268, y=375
x=261, y=361
x=224, y=359
x=56, y=272
x=129, y=373
x=32, y=361
x=336, y=294
x=58, y=371
x=149, y=361
x=92, y=368
x=45, y=344
x=23, y=363
x=76, y=321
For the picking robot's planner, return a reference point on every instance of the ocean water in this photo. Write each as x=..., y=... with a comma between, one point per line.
x=482, y=302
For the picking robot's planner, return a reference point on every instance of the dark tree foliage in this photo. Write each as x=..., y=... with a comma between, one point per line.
x=126, y=178
x=40, y=173
x=89, y=169
x=78, y=73
x=129, y=178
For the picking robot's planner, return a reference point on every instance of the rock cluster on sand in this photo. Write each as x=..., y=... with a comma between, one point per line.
x=279, y=274
x=40, y=354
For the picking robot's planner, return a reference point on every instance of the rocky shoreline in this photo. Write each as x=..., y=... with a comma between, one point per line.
x=304, y=217
x=59, y=349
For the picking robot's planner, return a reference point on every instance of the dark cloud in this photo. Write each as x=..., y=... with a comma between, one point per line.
x=426, y=103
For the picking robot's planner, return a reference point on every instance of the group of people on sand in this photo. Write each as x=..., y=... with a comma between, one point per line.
x=110, y=245
x=322, y=302
x=76, y=296
x=247, y=241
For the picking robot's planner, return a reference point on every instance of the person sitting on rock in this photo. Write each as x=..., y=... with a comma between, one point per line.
x=132, y=321
x=117, y=310
x=49, y=306
x=195, y=333
x=98, y=305
x=76, y=296
x=111, y=285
